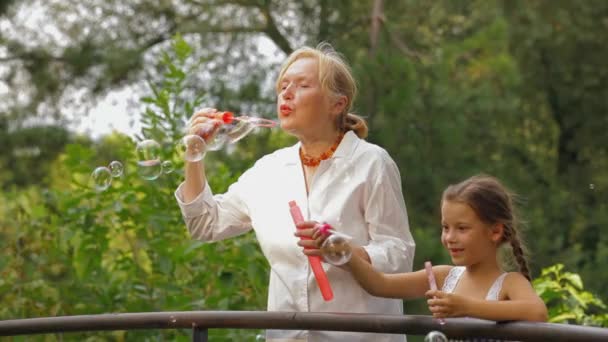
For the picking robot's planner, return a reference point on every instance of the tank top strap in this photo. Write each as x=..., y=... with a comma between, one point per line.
x=449, y=284
x=496, y=287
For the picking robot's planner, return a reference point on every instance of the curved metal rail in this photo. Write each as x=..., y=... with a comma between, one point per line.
x=200, y=321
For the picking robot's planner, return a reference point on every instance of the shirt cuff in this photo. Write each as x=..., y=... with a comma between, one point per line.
x=377, y=256
x=197, y=206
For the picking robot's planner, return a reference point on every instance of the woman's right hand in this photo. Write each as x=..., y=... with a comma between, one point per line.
x=203, y=123
x=311, y=239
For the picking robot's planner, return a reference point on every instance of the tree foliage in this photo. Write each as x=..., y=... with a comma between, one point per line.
x=567, y=300
x=72, y=250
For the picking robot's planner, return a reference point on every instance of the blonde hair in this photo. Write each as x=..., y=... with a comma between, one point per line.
x=493, y=203
x=336, y=79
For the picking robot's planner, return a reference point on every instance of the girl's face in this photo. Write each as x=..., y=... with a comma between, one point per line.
x=302, y=106
x=468, y=239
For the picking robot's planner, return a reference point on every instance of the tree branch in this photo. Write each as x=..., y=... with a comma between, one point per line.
x=273, y=32
x=401, y=46
x=323, y=24
x=376, y=19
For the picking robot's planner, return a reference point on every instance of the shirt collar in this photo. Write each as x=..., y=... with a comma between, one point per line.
x=345, y=149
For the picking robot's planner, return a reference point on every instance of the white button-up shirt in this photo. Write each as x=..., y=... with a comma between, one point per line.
x=357, y=190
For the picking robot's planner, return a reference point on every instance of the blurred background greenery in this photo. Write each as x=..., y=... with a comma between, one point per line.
x=517, y=89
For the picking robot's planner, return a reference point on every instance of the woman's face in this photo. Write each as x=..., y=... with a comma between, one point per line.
x=302, y=107
x=468, y=239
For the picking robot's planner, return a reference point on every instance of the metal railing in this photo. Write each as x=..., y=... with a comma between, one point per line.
x=201, y=321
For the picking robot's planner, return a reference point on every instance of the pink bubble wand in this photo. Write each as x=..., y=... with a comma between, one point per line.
x=432, y=283
x=315, y=261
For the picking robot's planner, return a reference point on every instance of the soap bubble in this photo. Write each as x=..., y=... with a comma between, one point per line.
x=435, y=336
x=148, y=159
x=149, y=169
x=148, y=150
x=116, y=168
x=238, y=130
x=102, y=178
x=218, y=140
x=336, y=250
x=194, y=148
x=167, y=167
x=213, y=133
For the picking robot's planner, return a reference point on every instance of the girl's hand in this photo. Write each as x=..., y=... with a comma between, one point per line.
x=310, y=236
x=442, y=304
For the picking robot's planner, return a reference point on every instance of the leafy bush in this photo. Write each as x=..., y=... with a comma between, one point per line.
x=567, y=300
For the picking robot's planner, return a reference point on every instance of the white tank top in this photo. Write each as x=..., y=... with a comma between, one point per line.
x=454, y=276
x=450, y=284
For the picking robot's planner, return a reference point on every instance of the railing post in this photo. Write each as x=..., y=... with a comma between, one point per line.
x=200, y=335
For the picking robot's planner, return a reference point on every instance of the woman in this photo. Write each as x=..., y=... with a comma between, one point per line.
x=333, y=175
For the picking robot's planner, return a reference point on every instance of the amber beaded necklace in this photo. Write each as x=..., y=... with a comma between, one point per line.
x=314, y=162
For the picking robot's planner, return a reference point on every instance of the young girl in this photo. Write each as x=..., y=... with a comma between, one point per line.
x=477, y=218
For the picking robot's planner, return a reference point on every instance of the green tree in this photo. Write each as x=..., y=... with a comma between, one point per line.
x=561, y=53
x=26, y=153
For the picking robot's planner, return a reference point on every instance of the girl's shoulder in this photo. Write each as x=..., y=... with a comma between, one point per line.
x=514, y=278
x=514, y=282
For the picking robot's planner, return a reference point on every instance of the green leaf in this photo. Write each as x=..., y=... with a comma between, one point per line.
x=562, y=318
x=181, y=48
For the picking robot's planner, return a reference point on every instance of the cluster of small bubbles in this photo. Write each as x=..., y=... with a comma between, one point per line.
x=435, y=336
x=102, y=176
x=210, y=136
x=591, y=186
x=149, y=164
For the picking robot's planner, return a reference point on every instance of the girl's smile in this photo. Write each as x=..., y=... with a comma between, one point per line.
x=456, y=251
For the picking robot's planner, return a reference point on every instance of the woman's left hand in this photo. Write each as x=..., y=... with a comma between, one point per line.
x=310, y=236
x=443, y=304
